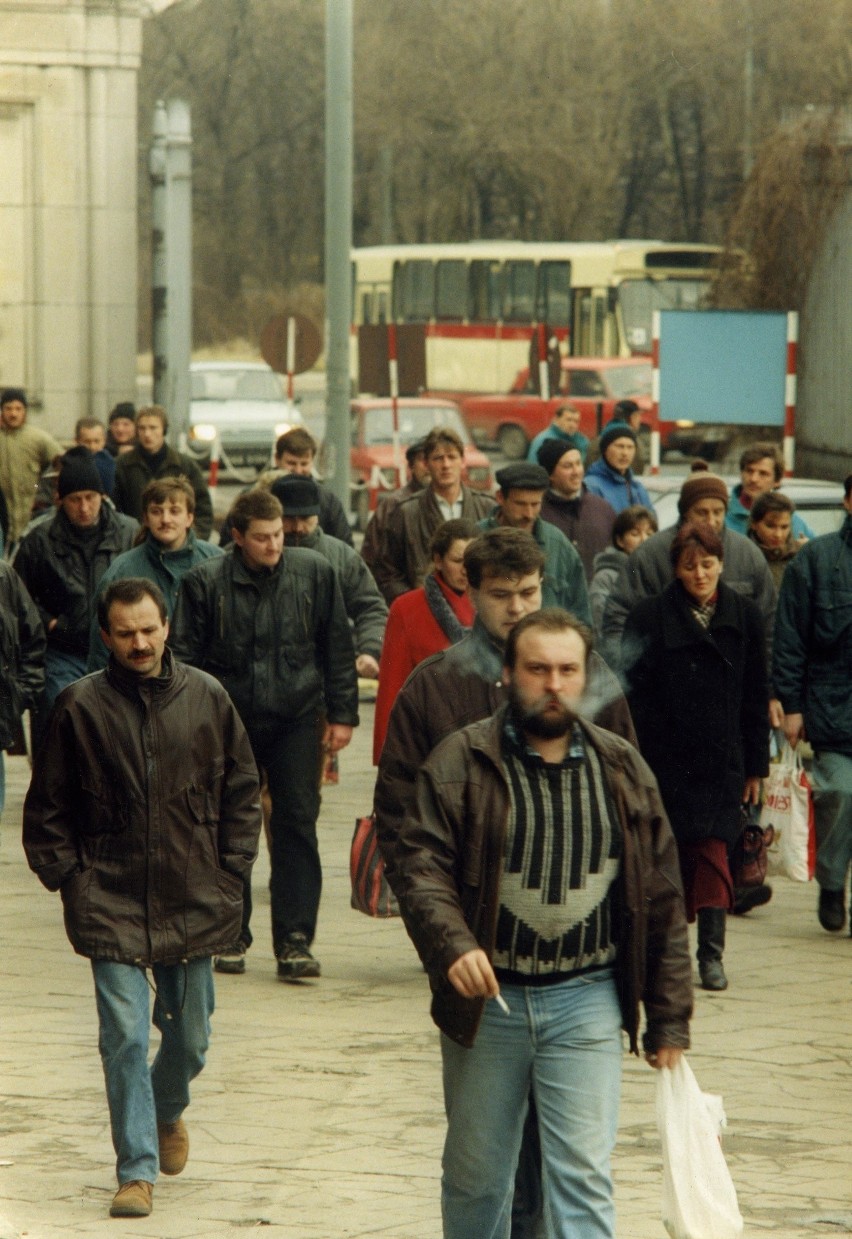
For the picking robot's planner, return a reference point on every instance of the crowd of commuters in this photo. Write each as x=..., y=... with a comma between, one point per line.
x=573, y=718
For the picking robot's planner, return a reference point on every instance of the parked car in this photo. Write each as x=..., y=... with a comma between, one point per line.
x=243, y=404
x=819, y=503
x=510, y=420
x=372, y=454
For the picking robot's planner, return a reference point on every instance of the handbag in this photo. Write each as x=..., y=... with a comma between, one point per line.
x=370, y=891
x=699, y=1197
x=749, y=860
x=788, y=809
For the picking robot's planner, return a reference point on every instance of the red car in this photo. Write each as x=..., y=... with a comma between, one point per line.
x=593, y=384
x=372, y=454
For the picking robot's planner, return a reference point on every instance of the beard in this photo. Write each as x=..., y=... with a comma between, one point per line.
x=533, y=718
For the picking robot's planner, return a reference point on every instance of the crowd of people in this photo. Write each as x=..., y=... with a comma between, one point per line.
x=573, y=718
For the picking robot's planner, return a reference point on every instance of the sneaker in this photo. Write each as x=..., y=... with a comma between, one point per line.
x=133, y=1199
x=174, y=1146
x=233, y=961
x=832, y=910
x=295, y=960
x=748, y=897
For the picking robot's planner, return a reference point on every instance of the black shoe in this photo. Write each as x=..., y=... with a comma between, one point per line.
x=832, y=910
x=233, y=961
x=295, y=961
x=748, y=897
x=712, y=975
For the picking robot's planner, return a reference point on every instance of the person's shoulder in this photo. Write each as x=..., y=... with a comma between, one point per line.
x=305, y=562
x=408, y=604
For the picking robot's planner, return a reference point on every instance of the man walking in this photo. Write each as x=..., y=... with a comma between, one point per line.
x=151, y=458
x=168, y=551
x=143, y=812
x=812, y=674
x=271, y=626
x=564, y=429
x=584, y=518
x=538, y=867
x=25, y=452
x=62, y=560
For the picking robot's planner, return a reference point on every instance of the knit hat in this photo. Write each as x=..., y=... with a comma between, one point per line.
x=552, y=450
x=123, y=409
x=13, y=393
x=700, y=486
x=78, y=471
x=297, y=494
x=522, y=476
x=613, y=431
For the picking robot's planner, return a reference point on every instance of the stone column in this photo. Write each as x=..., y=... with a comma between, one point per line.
x=68, y=262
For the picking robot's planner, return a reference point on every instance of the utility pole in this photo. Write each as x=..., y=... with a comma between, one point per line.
x=338, y=238
x=170, y=168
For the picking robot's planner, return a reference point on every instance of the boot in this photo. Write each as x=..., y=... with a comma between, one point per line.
x=711, y=944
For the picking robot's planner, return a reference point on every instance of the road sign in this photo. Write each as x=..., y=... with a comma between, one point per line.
x=290, y=343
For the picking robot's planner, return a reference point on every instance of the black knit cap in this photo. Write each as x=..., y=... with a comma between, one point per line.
x=78, y=471
x=123, y=409
x=552, y=450
x=616, y=430
x=522, y=476
x=297, y=494
x=8, y=394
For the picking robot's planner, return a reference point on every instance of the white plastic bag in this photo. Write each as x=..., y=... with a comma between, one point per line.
x=788, y=808
x=699, y=1199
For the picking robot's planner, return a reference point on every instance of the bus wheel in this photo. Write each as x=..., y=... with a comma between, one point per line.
x=513, y=442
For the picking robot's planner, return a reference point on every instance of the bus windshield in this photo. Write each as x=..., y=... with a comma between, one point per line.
x=640, y=298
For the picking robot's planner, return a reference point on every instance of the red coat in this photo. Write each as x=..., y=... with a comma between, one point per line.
x=412, y=634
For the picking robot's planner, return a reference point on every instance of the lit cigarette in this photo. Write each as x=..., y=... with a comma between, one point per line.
x=502, y=1004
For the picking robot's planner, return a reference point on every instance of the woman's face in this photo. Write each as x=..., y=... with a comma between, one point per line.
x=699, y=573
x=635, y=537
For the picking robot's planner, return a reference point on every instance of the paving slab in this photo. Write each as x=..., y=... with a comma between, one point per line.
x=319, y=1113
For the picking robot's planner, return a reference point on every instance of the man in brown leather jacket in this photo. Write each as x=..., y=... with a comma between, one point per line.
x=538, y=869
x=144, y=813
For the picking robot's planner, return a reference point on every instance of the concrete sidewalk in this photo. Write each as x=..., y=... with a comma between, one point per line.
x=319, y=1114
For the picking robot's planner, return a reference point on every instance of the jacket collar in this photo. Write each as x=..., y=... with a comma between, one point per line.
x=156, y=688
x=680, y=628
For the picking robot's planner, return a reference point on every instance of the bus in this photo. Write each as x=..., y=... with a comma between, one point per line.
x=478, y=302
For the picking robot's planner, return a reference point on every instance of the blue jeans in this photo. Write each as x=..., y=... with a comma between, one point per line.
x=61, y=668
x=832, y=785
x=140, y=1097
x=564, y=1040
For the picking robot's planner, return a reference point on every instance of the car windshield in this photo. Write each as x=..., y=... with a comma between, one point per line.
x=629, y=380
x=414, y=423
x=235, y=384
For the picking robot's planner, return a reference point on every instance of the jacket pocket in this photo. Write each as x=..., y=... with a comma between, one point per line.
x=204, y=793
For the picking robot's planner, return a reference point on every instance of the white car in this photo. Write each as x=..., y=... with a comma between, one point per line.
x=243, y=405
x=820, y=504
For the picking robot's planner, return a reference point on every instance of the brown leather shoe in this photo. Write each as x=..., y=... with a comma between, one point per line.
x=174, y=1146
x=133, y=1199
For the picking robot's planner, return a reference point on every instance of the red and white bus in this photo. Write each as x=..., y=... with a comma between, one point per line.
x=478, y=302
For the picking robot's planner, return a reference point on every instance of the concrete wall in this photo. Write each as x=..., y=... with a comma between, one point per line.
x=68, y=204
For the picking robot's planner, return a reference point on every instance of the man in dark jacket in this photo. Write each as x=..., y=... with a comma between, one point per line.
x=272, y=628
x=61, y=561
x=405, y=558
x=584, y=518
x=150, y=458
x=144, y=813
x=22, y=670
x=538, y=869
x=812, y=674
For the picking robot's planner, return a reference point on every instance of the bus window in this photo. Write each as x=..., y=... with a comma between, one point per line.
x=553, y=303
x=366, y=308
x=413, y=290
x=483, y=291
x=382, y=311
x=590, y=310
x=518, y=292
x=450, y=290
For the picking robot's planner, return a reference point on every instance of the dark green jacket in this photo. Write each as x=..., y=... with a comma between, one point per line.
x=133, y=473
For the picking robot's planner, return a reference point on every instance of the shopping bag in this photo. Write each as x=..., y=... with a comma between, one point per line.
x=370, y=891
x=788, y=809
x=699, y=1198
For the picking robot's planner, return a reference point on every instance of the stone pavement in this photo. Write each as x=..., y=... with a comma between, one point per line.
x=319, y=1113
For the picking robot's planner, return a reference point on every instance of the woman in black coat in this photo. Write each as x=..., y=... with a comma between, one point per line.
x=695, y=666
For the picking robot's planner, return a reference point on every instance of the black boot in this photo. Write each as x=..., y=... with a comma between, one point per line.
x=711, y=945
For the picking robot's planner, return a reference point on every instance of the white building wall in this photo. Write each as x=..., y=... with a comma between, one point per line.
x=68, y=204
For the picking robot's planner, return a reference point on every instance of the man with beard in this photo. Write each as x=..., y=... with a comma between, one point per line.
x=538, y=869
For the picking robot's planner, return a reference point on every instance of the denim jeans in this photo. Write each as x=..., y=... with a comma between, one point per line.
x=564, y=1040
x=832, y=785
x=140, y=1097
x=61, y=668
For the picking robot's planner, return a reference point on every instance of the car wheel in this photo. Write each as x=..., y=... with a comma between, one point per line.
x=513, y=442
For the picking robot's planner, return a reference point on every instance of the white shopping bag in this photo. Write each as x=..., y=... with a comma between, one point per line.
x=699, y=1199
x=788, y=808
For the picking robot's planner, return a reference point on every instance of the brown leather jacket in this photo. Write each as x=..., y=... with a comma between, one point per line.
x=449, y=861
x=144, y=812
